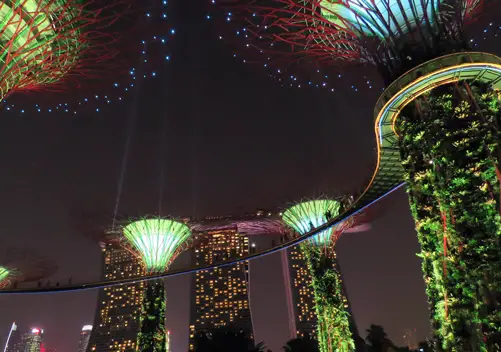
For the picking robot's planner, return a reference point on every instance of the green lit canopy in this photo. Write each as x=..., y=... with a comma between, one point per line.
x=4, y=273
x=306, y=216
x=157, y=241
x=39, y=40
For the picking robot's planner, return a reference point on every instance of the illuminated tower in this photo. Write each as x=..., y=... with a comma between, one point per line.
x=221, y=296
x=333, y=318
x=299, y=293
x=84, y=338
x=15, y=340
x=156, y=242
x=436, y=129
x=116, y=322
x=33, y=340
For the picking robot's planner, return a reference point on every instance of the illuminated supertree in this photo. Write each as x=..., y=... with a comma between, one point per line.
x=438, y=118
x=156, y=242
x=23, y=265
x=72, y=47
x=333, y=327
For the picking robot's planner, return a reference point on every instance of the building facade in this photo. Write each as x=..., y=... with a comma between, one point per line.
x=300, y=297
x=33, y=340
x=83, y=342
x=299, y=293
x=221, y=296
x=116, y=322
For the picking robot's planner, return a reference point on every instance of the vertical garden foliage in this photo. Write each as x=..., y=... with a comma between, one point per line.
x=449, y=144
x=333, y=328
x=151, y=337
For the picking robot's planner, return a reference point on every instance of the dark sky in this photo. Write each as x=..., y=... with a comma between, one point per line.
x=235, y=141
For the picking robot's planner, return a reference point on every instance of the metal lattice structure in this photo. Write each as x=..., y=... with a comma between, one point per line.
x=91, y=53
x=44, y=42
x=23, y=265
x=155, y=241
x=396, y=35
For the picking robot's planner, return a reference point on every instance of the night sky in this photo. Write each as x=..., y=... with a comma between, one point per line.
x=235, y=141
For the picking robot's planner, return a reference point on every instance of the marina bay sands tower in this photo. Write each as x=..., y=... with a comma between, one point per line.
x=116, y=323
x=220, y=297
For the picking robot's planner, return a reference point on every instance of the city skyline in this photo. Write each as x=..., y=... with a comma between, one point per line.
x=57, y=165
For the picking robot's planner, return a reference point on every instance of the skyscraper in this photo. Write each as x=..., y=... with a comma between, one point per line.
x=116, y=322
x=84, y=338
x=33, y=340
x=299, y=293
x=221, y=296
x=15, y=340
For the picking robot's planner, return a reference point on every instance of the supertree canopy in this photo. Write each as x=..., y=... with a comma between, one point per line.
x=23, y=265
x=334, y=324
x=41, y=42
x=89, y=52
x=393, y=34
x=306, y=216
x=436, y=128
x=156, y=242
x=4, y=275
x=371, y=17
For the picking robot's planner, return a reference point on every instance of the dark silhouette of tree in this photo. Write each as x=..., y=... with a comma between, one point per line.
x=301, y=344
x=226, y=339
x=377, y=338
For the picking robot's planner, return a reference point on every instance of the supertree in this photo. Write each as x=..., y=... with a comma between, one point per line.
x=438, y=118
x=23, y=265
x=156, y=242
x=333, y=327
x=87, y=51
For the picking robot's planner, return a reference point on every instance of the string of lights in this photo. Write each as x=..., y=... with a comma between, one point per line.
x=278, y=38
x=98, y=79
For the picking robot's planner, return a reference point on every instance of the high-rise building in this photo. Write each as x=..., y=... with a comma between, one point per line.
x=15, y=340
x=84, y=338
x=33, y=340
x=167, y=341
x=116, y=322
x=299, y=293
x=221, y=296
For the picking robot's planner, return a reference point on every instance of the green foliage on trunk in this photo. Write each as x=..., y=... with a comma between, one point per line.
x=449, y=142
x=151, y=337
x=333, y=327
